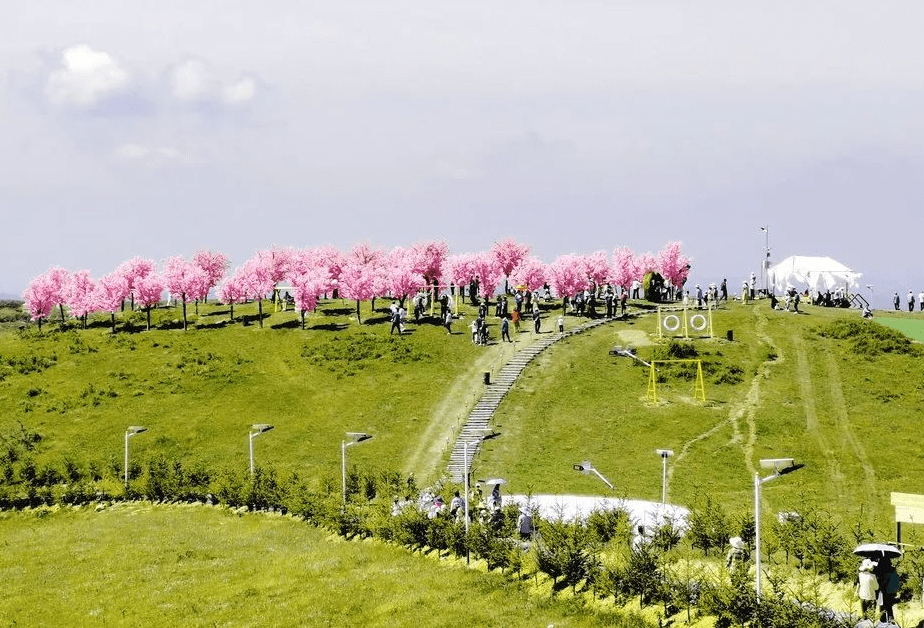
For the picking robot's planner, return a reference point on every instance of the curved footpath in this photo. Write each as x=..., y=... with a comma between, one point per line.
x=479, y=419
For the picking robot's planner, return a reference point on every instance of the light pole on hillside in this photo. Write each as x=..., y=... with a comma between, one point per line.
x=780, y=466
x=586, y=467
x=665, y=454
x=129, y=432
x=258, y=428
x=354, y=438
x=766, y=264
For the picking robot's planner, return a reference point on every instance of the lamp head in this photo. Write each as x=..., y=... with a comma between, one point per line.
x=135, y=429
x=776, y=463
x=259, y=428
x=665, y=453
x=358, y=437
x=584, y=467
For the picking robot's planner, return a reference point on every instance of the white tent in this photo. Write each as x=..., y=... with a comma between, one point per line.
x=815, y=273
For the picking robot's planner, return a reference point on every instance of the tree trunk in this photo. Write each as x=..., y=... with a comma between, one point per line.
x=40, y=324
x=112, y=314
x=303, y=320
x=184, y=312
x=61, y=307
x=232, y=312
x=260, y=311
x=148, y=311
x=357, y=312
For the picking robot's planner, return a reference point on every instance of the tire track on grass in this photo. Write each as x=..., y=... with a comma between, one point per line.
x=846, y=430
x=812, y=425
x=743, y=408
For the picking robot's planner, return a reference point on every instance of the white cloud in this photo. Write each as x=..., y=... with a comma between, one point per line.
x=134, y=152
x=242, y=91
x=193, y=82
x=86, y=78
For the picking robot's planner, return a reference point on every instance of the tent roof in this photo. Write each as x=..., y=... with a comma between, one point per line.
x=816, y=273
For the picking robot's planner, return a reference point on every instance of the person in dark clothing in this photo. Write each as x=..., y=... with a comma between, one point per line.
x=505, y=329
x=536, y=320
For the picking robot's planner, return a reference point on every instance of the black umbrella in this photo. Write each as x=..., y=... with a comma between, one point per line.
x=877, y=550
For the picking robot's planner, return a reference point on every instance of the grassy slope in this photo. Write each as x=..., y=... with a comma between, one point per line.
x=199, y=391
x=137, y=564
x=849, y=417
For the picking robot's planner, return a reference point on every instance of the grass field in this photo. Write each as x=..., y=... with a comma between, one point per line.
x=913, y=327
x=146, y=565
x=837, y=393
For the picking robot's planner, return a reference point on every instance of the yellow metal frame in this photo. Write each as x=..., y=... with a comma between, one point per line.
x=699, y=386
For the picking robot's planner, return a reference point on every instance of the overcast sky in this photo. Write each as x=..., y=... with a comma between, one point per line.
x=164, y=127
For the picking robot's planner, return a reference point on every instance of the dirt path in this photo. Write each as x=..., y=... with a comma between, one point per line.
x=426, y=454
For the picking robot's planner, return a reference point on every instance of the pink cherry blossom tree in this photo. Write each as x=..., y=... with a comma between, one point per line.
x=214, y=265
x=489, y=273
x=80, y=295
x=256, y=279
x=308, y=284
x=149, y=289
x=109, y=294
x=568, y=277
x=40, y=296
x=624, y=268
x=674, y=265
x=184, y=279
x=429, y=259
x=509, y=253
x=232, y=291
x=530, y=272
x=329, y=257
x=596, y=268
x=134, y=270
x=360, y=276
x=401, y=273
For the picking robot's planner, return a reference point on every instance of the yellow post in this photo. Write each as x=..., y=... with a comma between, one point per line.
x=700, y=385
x=660, y=335
x=652, y=392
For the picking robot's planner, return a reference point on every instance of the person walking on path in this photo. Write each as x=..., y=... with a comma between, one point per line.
x=505, y=330
x=447, y=321
x=561, y=324
x=516, y=320
x=724, y=290
x=536, y=321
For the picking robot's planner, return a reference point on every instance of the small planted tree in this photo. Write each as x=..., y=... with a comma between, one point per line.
x=149, y=290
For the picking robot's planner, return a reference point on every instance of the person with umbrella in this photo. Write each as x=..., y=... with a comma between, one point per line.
x=886, y=577
x=867, y=586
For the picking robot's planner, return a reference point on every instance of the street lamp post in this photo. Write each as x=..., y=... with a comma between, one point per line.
x=780, y=466
x=129, y=432
x=766, y=262
x=665, y=454
x=468, y=470
x=354, y=438
x=586, y=467
x=258, y=428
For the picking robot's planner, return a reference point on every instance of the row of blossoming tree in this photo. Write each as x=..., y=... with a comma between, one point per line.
x=361, y=274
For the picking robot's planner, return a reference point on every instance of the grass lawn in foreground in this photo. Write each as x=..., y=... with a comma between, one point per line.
x=138, y=564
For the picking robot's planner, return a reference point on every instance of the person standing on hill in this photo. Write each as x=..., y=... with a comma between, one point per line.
x=724, y=290
x=910, y=301
x=505, y=329
x=536, y=321
x=896, y=301
x=921, y=300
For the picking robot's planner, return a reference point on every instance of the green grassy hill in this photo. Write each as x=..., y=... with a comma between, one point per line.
x=837, y=393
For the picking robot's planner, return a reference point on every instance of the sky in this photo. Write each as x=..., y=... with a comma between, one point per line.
x=163, y=128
